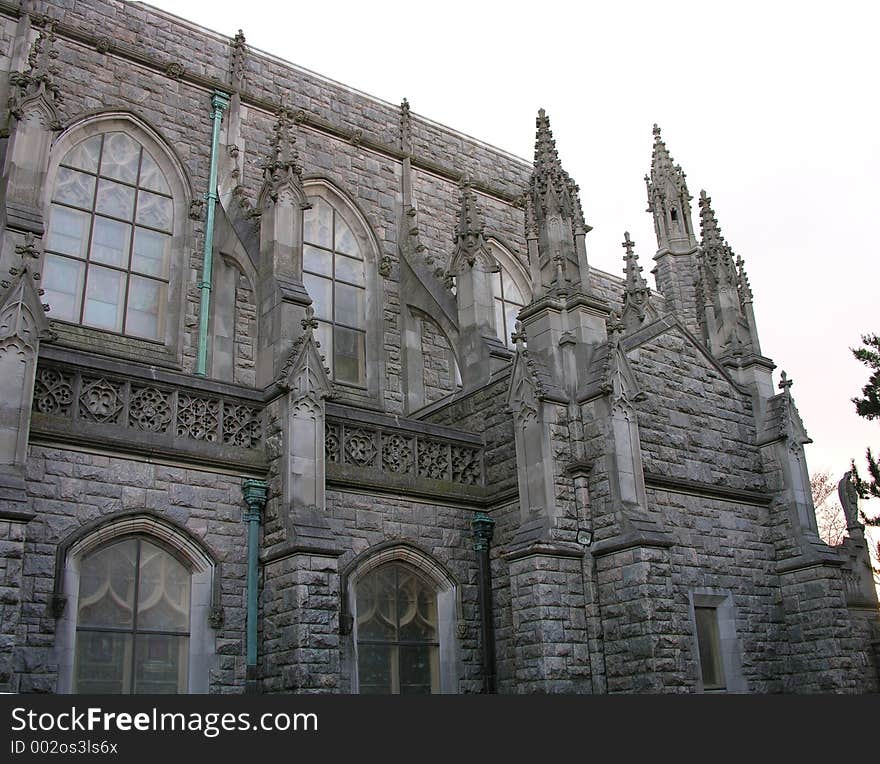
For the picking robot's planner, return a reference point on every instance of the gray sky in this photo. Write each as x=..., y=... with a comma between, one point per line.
x=772, y=107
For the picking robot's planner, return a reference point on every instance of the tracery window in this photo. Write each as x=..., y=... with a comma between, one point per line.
x=334, y=276
x=398, y=641
x=509, y=300
x=108, y=242
x=132, y=620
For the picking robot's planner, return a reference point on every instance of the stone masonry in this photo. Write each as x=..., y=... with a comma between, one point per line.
x=343, y=408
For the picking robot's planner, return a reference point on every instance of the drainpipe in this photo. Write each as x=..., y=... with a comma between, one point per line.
x=255, y=493
x=219, y=101
x=483, y=526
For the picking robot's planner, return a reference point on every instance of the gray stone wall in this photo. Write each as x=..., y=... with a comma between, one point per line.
x=438, y=362
x=11, y=557
x=245, y=347
x=693, y=423
x=70, y=489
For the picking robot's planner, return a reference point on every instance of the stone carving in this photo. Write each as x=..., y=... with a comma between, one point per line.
x=103, y=45
x=239, y=60
x=198, y=418
x=849, y=500
x=241, y=426
x=150, y=409
x=397, y=453
x=37, y=82
x=174, y=70
x=53, y=392
x=385, y=267
x=466, y=465
x=100, y=401
x=196, y=209
x=360, y=447
x=331, y=443
x=433, y=460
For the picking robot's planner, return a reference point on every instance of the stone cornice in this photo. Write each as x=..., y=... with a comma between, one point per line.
x=708, y=490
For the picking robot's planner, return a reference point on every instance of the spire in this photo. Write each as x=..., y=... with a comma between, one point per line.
x=38, y=80
x=636, y=293
x=282, y=165
x=717, y=256
x=238, y=60
x=669, y=200
x=405, y=128
x=468, y=238
x=554, y=220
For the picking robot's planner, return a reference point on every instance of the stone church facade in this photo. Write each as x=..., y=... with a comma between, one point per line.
x=302, y=392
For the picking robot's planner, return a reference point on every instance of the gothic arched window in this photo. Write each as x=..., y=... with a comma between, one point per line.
x=511, y=290
x=108, y=243
x=398, y=635
x=335, y=278
x=132, y=621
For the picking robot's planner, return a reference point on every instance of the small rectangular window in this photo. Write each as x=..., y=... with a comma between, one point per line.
x=709, y=644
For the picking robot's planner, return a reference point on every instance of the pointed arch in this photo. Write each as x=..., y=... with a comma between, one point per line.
x=438, y=600
x=117, y=242
x=162, y=536
x=340, y=273
x=511, y=289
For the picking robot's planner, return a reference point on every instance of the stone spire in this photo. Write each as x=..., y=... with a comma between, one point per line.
x=716, y=255
x=636, y=294
x=669, y=200
x=238, y=61
x=472, y=265
x=282, y=166
x=555, y=225
x=37, y=82
x=468, y=237
x=728, y=321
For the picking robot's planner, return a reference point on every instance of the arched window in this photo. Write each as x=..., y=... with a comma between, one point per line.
x=404, y=607
x=139, y=607
x=398, y=635
x=108, y=243
x=510, y=288
x=335, y=278
x=133, y=620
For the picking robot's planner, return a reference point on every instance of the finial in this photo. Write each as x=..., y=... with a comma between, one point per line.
x=239, y=57
x=39, y=77
x=405, y=127
x=309, y=323
x=785, y=383
x=628, y=245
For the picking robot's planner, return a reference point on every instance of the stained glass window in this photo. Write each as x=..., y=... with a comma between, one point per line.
x=397, y=633
x=109, y=238
x=132, y=633
x=333, y=273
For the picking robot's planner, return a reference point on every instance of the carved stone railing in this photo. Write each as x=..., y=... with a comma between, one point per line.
x=153, y=415
x=404, y=454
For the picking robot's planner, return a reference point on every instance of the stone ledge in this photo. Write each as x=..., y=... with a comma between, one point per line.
x=708, y=490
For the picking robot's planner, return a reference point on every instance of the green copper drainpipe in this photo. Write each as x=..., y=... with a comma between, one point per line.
x=219, y=101
x=255, y=493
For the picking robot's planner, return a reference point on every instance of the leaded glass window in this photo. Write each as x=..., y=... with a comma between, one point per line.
x=509, y=300
x=108, y=243
x=333, y=274
x=397, y=633
x=133, y=624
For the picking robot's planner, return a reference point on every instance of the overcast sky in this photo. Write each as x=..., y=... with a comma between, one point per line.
x=772, y=107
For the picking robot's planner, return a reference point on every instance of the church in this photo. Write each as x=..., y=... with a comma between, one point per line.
x=302, y=392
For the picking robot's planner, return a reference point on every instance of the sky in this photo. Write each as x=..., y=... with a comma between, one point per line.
x=771, y=107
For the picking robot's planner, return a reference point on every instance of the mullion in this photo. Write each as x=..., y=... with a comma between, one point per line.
x=88, y=261
x=134, y=614
x=137, y=198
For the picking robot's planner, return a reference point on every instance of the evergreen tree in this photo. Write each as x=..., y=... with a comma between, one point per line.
x=869, y=408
